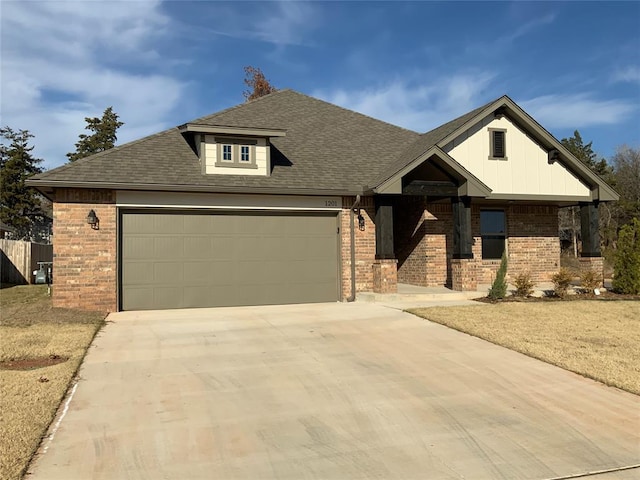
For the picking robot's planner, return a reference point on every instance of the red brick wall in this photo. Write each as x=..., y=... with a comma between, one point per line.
x=365, y=241
x=84, y=260
x=424, y=242
x=385, y=276
x=532, y=243
x=423, y=238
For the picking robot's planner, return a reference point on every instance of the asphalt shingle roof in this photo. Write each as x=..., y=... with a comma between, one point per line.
x=326, y=147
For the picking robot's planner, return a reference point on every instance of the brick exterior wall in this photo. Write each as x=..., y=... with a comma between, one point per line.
x=84, y=259
x=424, y=239
x=424, y=242
x=464, y=274
x=533, y=244
x=593, y=263
x=365, y=242
x=385, y=276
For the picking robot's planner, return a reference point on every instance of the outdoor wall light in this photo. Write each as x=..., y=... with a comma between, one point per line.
x=360, y=222
x=92, y=219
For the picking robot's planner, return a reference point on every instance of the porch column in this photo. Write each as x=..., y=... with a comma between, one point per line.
x=590, y=229
x=462, y=235
x=590, y=257
x=463, y=266
x=385, y=267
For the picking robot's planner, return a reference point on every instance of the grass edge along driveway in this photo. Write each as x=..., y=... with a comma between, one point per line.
x=32, y=332
x=596, y=339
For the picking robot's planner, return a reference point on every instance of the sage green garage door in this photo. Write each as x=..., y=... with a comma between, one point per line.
x=182, y=260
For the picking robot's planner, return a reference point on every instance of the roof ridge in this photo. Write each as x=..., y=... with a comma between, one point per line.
x=357, y=113
x=401, y=162
x=472, y=111
x=240, y=105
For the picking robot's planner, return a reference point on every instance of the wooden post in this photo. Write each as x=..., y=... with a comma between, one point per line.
x=462, y=235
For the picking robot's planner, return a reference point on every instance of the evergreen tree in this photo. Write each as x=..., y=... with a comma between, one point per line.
x=569, y=217
x=258, y=85
x=18, y=203
x=499, y=286
x=586, y=155
x=103, y=138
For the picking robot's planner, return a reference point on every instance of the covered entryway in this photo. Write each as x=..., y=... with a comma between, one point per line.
x=204, y=259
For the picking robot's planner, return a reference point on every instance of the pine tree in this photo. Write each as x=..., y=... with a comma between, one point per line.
x=586, y=155
x=499, y=286
x=569, y=217
x=103, y=138
x=258, y=85
x=18, y=203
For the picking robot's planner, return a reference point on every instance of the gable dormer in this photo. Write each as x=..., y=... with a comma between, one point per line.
x=224, y=150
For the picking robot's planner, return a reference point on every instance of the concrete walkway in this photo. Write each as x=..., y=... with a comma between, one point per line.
x=331, y=391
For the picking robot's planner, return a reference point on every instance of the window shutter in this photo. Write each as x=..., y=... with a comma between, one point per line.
x=498, y=144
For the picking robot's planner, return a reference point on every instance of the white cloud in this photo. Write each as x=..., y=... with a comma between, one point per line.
x=286, y=24
x=416, y=105
x=528, y=27
x=281, y=23
x=630, y=74
x=576, y=110
x=63, y=61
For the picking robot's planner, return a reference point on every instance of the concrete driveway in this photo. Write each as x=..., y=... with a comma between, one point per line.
x=333, y=391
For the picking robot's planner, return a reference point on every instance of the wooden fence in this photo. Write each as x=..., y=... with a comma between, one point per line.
x=20, y=259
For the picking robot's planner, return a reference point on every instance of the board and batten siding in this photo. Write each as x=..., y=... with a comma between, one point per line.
x=211, y=154
x=524, y=171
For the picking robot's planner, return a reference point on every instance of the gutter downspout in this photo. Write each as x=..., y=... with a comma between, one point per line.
x=352, y=234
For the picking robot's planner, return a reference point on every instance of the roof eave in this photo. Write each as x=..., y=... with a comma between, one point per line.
x=472, y=187
x=46, y=187
x=226, y=130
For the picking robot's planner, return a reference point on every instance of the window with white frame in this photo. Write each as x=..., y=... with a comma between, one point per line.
x=227, y=153
x=245, y=153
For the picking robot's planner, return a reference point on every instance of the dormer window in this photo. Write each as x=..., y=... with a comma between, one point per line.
x=228, y=150
x=236, y=152
x=245, y=154
x=497, y=144
x=227, y=153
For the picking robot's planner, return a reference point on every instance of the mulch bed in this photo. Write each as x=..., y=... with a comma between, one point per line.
x=32, y=363
x=605, y=295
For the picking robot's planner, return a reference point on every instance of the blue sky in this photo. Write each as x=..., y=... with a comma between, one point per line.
x=572, y=65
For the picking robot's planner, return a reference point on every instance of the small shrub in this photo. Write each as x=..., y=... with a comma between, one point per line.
x=498, y=288
x=561, y=282
x=590, y=280
x=524, y=285
x=626, y=267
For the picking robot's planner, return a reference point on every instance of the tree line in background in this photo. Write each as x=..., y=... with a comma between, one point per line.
x=23, y=211
x=622, y=172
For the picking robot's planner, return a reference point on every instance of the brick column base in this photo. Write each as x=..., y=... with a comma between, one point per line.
x=385, y=276
x=593, y=263
x=464, y=276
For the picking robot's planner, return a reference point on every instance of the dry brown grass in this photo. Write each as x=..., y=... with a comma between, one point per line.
x=597, y=339
x=31, y=327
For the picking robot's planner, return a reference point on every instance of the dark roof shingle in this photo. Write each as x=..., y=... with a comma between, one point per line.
x=326, y=147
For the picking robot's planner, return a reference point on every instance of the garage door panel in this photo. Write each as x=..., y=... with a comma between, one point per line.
x=136, y=273
x=167, y=224
x=137, y=247
x=138, y=298
x=175, y=260
x=198, y=246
